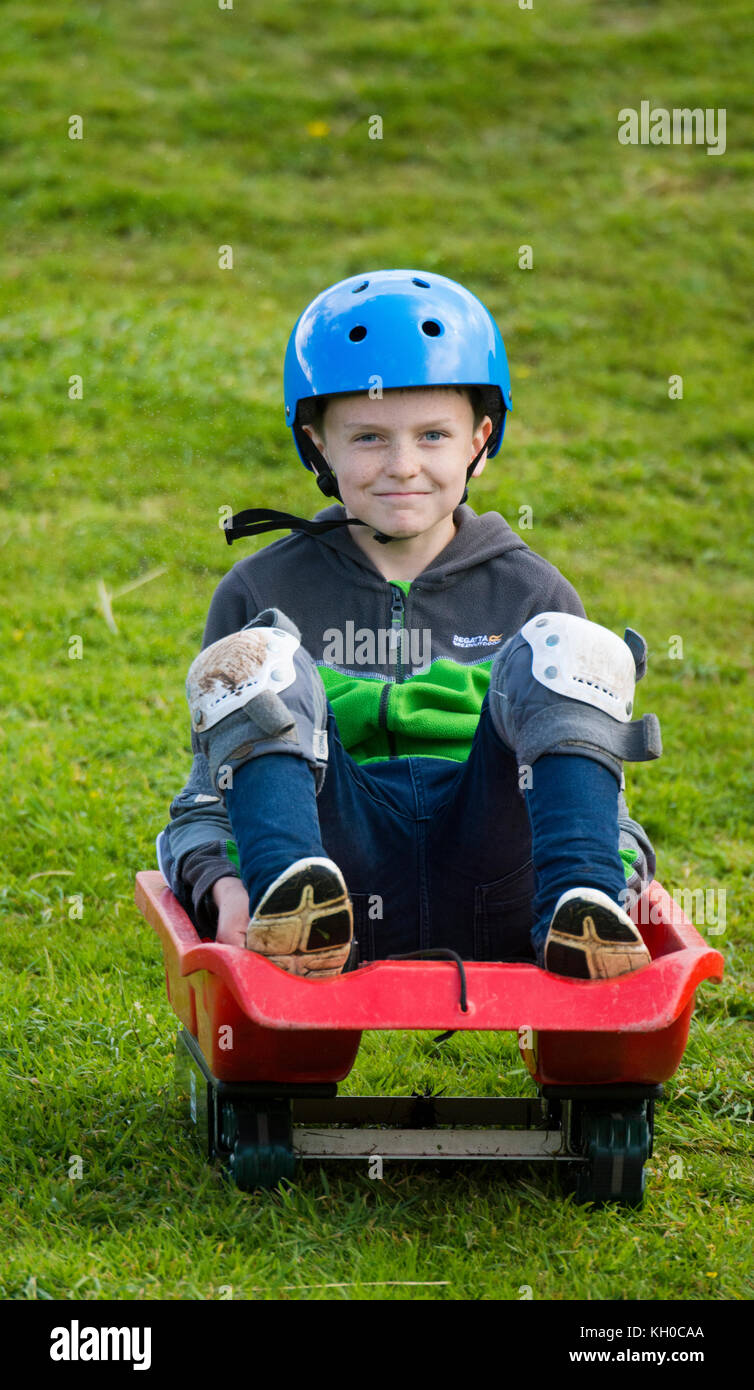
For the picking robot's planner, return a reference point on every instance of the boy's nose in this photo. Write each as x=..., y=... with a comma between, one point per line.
x=402, y=463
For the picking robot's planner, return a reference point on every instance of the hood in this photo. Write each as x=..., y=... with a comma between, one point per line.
x=477, y=540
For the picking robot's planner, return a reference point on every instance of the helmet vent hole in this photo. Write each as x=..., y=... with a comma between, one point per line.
x=358, y=288
x=432, y=329
x=424, y=283
x=358, y=333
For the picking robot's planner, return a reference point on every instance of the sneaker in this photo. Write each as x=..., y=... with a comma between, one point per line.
x=591, y=938
x=304, y=922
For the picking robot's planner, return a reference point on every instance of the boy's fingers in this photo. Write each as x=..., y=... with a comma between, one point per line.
x=231, y=928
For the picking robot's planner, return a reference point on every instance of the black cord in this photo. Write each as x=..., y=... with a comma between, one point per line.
x=440, y=954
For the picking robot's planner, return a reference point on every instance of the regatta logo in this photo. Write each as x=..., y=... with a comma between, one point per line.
x=102, y=1344
x=481, y=641
x=381, y=646
x=681, y=126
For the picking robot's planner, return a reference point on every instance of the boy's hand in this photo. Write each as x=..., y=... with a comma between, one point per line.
x=232, y=902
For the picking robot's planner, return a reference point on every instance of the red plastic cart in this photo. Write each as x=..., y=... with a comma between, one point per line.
x=261, y=1052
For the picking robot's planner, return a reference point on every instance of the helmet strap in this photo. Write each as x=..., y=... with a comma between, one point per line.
x=470, y=470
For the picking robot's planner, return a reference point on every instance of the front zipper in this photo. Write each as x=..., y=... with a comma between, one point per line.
x=382, y=719
x=397, y=613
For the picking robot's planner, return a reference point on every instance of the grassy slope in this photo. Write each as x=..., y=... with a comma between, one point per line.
x=499, y=130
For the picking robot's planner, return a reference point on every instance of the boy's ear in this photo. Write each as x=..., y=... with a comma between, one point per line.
x=317, y=440
x=481, y=435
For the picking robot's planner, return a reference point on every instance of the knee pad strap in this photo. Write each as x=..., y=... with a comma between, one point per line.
x=590, y=732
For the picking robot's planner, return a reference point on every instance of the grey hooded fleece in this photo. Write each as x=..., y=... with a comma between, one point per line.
x=475, y=594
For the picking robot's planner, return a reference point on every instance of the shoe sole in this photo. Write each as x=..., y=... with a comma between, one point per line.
x=304, y=922
x=591, y=938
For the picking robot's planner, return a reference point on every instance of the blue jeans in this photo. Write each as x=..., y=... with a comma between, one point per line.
x=436, y=853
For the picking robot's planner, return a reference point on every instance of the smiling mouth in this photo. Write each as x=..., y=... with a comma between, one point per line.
x=401, y=494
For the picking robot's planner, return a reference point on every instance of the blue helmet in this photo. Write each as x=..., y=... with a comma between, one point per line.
x=394, y=328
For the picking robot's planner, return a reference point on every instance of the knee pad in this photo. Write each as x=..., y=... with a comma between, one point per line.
x=566, y=685
x=255, y=692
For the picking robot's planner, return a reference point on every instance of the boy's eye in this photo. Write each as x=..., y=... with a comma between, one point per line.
x=360, y=438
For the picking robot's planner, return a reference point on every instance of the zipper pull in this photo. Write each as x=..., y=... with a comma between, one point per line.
x=396, y=609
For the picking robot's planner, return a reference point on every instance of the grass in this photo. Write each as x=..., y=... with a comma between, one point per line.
x=204, y=128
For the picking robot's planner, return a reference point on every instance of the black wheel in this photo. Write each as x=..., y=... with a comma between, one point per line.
x=616, y=1141
x=261, y=1151
x=255, y=1167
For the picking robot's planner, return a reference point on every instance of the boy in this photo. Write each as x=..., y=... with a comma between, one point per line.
x=401, y=714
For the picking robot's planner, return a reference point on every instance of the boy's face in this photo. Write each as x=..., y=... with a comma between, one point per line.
x=401, y=461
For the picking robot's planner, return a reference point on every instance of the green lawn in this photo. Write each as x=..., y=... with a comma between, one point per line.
x=205, y=128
